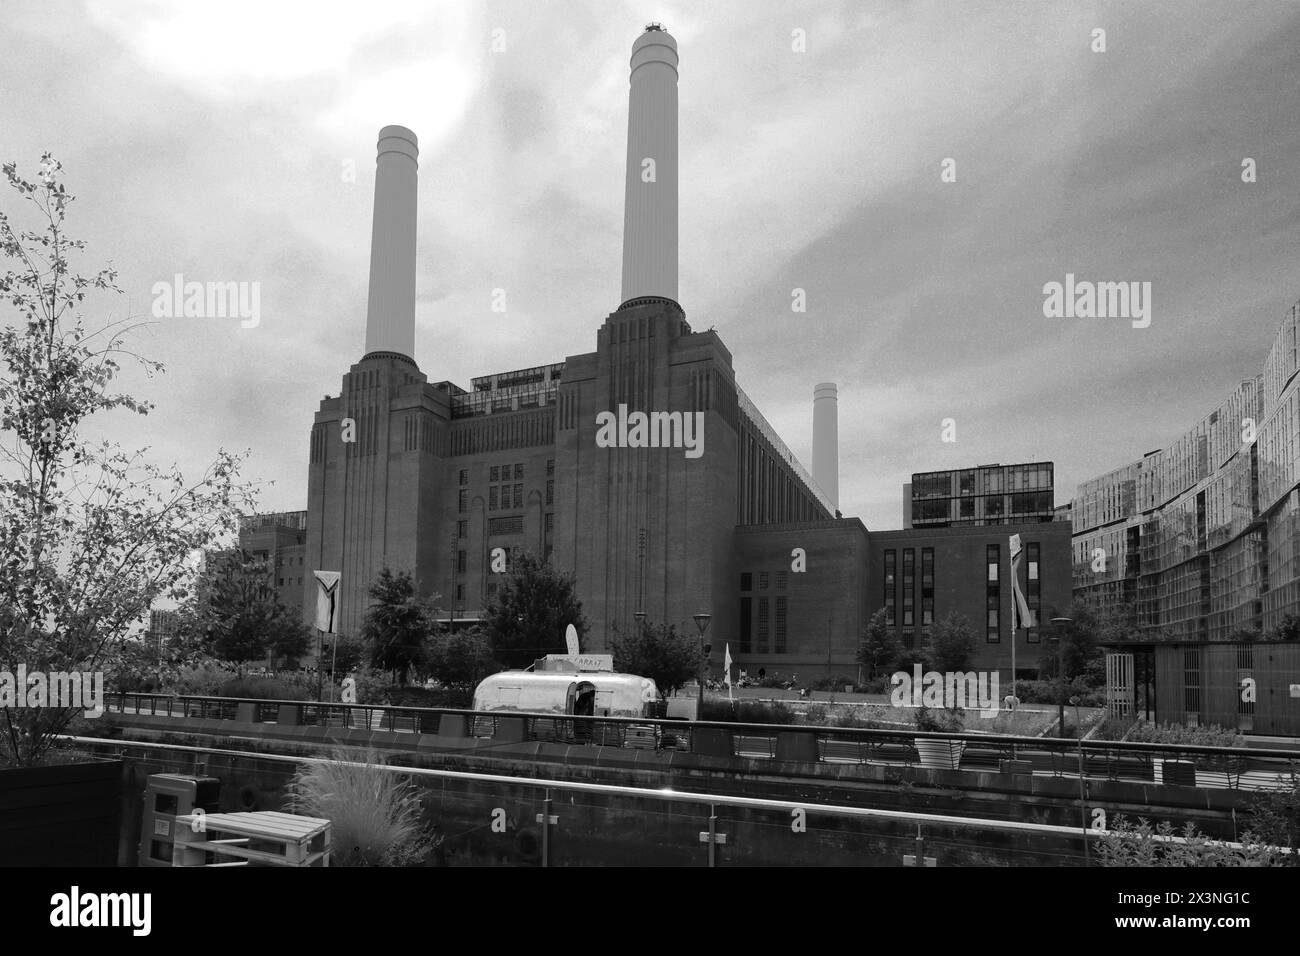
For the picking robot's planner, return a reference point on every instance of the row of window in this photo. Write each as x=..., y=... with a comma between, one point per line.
x=765, y=578
x=755, y=641
x=993, y=593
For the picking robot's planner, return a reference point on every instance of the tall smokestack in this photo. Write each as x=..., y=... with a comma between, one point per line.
x=826, y=441
x=650, y=206
x=390, y=313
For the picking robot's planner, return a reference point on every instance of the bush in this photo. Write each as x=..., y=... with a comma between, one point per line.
x=833, y=683
x=1045, y=692
x=1141, y=844
x=455, y=697
x=262, y=688
x=1213, y=736
x=748, y=712
x=376, y=813
x=938, y=721
x=878, y=685
x=202, y=679
x=773, y=680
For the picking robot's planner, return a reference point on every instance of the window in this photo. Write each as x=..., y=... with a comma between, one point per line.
x=513, y=525
x=460, y=562
x=746, y=624
x=460, y=592
x=909, y=586
x=463, y=501
x=1192, y=686
x=763, y=578
x=891, y=610
x=464, y=476
x=494, y=473
x=550, y=467
x=779, y=644
x=782, y=579
x=550, y=521
x=1033, y=586
x=762, y=625
x=519, y=470
x=927, y=586
x=519, y=496
x=492, y=498
x=909, y=640
x=746, y=580
x=462, y=529
x=993, y=594
x=550, y=492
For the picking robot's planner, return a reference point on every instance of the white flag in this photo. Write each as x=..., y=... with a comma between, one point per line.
x=327, y=592
x=726, y=667
x=1021, y=616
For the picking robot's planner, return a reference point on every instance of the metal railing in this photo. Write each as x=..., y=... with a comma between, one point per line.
x=1175, y=764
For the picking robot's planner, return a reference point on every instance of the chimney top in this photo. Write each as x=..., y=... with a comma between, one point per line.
x=653, y=26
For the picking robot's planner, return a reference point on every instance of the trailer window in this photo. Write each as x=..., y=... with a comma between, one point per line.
x=604, y=702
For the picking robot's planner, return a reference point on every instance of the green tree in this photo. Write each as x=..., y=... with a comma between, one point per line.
x=462, y=658
x=952, y=644
x=91, y=535
x=660, y=652
x=342, y=653
x=1288, y=629
x=528, y=617
x=397, y=627
x=237, y=614
x=879, y=648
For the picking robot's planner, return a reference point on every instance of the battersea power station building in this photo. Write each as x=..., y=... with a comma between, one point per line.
x=639, y=466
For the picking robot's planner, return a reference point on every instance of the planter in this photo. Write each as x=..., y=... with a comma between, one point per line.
x=939, y=754
x=61, y=814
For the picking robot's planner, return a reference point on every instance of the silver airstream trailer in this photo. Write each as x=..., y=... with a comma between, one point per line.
x=577, y=693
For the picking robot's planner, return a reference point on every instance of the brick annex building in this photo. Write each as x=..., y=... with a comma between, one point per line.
x=436, y=476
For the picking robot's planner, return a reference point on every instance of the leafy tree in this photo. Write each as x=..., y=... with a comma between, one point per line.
x=879, y=648
x=529, y=615
x=1288, y=629
x=398, y=625
x=90, y=534
x=462, y=658
x=1275, y=819
x=952, y=644
x=237, y=614
x=343, y=654
x=660, y=652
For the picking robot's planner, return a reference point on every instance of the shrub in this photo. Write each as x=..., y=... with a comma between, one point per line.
x=878, y=685
x=832, y=683
x=454, y=697
x=748, y=712
x=204, y=679
x=262, y=688
x=938, y=721
x=1213, y=736
x=376, y=813
x=1141, y=844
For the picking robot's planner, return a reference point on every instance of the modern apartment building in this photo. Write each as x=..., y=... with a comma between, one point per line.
x=1203, y=539
x=986, y=494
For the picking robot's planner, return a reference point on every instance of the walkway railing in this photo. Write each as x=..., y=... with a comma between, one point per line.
x=1184, y=765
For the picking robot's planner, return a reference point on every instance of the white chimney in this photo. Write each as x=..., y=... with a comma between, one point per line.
x=826, y=441
x=390, y=314
x=650, y=202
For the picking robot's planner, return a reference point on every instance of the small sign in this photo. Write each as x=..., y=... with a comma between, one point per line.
x=1295, y=690
x=162, y=828
x=586, y=662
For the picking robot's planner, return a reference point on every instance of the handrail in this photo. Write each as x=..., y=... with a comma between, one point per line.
x=1070, y=746
x=664, y=793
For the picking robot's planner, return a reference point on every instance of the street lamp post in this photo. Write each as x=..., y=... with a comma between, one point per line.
x=1060, y=676
x=702, y=622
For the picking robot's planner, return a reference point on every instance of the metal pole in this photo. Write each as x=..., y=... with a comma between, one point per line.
x=1083, y=806
x=713, y=834
x=546, y=828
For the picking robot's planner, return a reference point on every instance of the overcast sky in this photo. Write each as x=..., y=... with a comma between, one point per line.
x=214, y=139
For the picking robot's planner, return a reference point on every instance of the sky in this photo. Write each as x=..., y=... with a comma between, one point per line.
x=235, y=142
